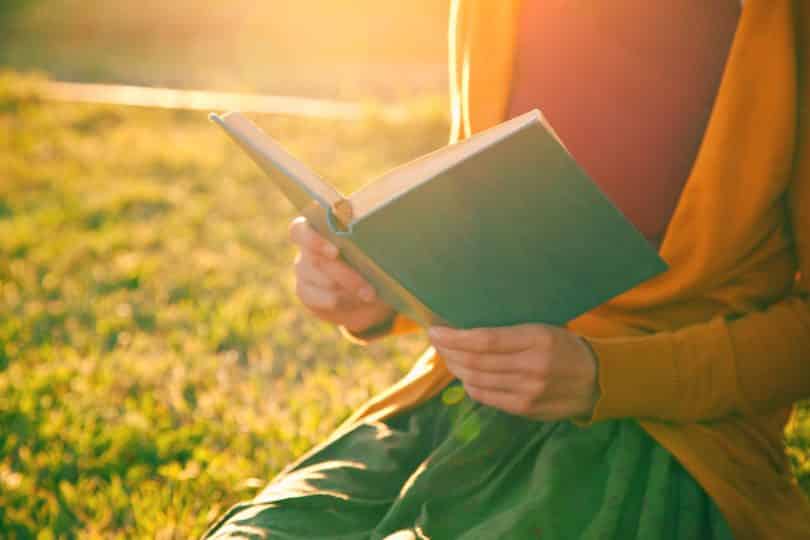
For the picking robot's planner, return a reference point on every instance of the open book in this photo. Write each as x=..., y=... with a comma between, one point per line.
x=502, y=228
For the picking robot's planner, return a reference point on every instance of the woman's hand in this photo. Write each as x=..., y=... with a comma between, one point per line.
x=533, y=370
x=329, y=287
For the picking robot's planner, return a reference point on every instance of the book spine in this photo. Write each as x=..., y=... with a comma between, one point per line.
x=343, y=211
x=390, y=290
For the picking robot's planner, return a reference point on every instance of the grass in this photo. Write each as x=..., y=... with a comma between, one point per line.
x=155, y=366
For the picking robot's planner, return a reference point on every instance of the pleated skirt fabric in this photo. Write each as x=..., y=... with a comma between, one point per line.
x=455, y=469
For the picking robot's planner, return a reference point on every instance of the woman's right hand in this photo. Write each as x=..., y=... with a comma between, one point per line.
x=329, y=287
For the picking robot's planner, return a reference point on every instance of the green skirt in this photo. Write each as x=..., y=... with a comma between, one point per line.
x=454, y=469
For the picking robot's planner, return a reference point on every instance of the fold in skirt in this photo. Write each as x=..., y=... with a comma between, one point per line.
x=455, y=469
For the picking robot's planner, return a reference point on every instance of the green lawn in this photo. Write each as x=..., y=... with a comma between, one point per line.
x=155, y=366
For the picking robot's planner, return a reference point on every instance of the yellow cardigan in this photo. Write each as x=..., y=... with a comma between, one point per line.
x=710, y=355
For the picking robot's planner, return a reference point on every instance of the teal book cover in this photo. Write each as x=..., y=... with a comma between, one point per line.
x=512, y=231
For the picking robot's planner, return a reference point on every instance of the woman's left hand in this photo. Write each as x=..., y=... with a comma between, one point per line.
x=533, y=370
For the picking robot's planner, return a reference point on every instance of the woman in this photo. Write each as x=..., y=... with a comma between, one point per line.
x=659, y=414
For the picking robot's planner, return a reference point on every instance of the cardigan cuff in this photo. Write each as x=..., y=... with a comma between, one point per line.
x=636, y=377
x=394, y=325
x=688, y=375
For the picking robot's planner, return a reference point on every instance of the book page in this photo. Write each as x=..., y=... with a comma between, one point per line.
x=271, y=156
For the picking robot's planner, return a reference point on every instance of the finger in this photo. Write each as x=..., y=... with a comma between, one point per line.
x=517, y=404
x=315, y=297
x=335, y=289
x=505, y=339
x=307, y=269
x=504, y=382
x=347, y=278
x=305, y=236
x=484, y=362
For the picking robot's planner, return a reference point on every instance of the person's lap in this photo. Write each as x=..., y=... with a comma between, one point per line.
x=453, y=468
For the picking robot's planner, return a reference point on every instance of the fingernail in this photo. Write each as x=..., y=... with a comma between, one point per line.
x=436, y=332
x=366, y=293
x=330, y=250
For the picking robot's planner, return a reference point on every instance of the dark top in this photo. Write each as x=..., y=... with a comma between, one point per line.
x=629, y=86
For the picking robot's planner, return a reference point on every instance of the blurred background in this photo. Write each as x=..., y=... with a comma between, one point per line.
x=155, y=364
x=320, y=48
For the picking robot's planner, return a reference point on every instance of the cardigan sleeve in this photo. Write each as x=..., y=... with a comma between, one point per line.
x=707, y=371
x=397, y=325
x=752, y=364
